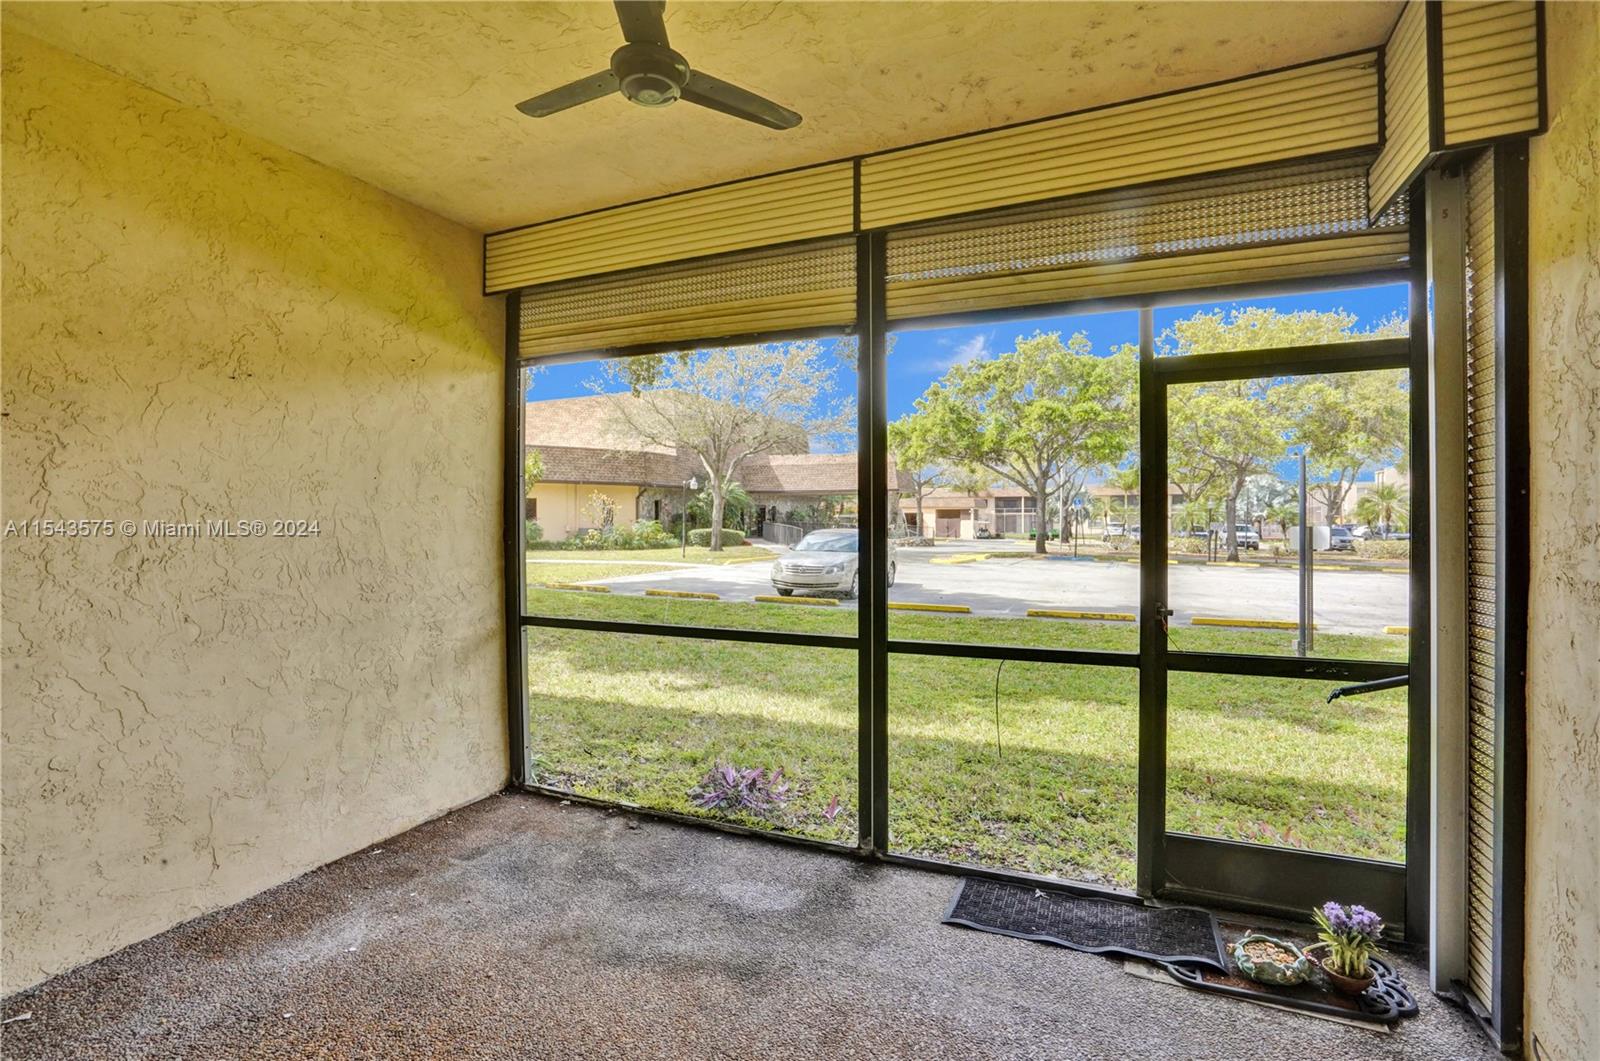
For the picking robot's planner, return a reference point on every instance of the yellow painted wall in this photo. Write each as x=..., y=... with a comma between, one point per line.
x=199, y=325
x=565, y=507
x=1563, y=916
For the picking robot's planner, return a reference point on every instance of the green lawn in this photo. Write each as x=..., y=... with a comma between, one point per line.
x=543, y=574
x=640, y=719
x=697, y=554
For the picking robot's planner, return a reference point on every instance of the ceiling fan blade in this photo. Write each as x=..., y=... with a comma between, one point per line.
x=717, y=94
x=559, y=99
x=642, y=21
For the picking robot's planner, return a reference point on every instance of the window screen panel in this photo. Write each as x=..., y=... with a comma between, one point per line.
x=1284, y=222
x=760, y=291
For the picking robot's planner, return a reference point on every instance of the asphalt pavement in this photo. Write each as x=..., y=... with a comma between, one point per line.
x=1011, y=580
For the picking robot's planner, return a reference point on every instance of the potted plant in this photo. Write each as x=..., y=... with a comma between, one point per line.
x=1349, y=938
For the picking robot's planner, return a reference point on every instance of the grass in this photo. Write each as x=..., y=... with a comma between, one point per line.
x=697, y=554
x=542, y=574
x=640, y=719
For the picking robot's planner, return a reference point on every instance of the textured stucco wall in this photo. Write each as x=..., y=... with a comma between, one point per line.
x=201, y=325
x=1563, y=967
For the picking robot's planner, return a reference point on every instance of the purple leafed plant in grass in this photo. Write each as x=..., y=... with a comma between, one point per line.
x=754, y=791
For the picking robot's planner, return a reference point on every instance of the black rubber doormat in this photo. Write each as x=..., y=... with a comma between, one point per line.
x=1174, y=934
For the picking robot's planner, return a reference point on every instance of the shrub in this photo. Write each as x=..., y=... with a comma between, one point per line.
x=703, y=537
x=532, y=532
x=1188, y=545
x=1384, y=550
x=754, y=791
x=644, y=534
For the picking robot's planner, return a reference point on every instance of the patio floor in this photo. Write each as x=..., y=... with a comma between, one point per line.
x=518, y=927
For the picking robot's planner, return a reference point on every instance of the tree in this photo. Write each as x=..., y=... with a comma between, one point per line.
x=1347, y=421
x=1223, y=433
x=1234, y=429
x=1386, y=506
x=723, y=405
x=915, y=458
x=1285, y=515
x=1036, y=416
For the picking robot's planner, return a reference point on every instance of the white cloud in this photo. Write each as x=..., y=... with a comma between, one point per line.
x=974, y=349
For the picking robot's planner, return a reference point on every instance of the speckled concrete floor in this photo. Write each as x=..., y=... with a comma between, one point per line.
x=521, y=928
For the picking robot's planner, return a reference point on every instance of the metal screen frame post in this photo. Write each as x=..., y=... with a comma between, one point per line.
x=873, y=498
x=1150, y=850
x=1512, y=575
x=1419, y=699
x=512, y=539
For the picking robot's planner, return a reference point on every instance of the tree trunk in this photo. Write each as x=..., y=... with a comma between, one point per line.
x=718, y=506
x=922, y=526
x=1231, y=513
x=1041, y=532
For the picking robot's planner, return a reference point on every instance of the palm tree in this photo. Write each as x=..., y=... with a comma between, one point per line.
x=1385, y=505
x=1284, y=515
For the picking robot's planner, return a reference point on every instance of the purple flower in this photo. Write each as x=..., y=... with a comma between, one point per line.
x=726, y=787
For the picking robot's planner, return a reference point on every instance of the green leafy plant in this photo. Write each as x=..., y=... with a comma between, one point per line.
x=702, y=537
x=531, y=531
x=1351, y=933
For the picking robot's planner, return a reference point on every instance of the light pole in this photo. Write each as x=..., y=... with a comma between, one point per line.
x=1307, y=539
x=691, y=483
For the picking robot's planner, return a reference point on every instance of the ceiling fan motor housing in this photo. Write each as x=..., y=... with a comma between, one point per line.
x=649, y=74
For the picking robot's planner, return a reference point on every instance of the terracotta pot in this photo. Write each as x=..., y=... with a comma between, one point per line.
x=1345, y=985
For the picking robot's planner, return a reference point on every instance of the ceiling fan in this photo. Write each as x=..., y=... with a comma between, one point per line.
x=647, y=71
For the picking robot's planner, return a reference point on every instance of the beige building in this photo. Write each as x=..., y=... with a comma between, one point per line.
x=596, y=472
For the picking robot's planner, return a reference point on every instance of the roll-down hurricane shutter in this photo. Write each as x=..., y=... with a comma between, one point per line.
x=769, y=291
x=1316, y=109
x=1297, y=220
x=761, y=212
x=1407, y=135
x=1482, y=580
x=1489, y=58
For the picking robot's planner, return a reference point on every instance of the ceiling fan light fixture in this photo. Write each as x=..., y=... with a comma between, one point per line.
x=648, y=72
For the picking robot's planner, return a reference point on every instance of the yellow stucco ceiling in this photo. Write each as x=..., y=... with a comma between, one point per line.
x=417, y=98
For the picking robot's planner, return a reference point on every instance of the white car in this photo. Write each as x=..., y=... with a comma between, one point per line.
x=824, y=561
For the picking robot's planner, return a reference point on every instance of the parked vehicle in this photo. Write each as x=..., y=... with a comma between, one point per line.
x=1340, y=540
x=1247, y=536
x=1113, y=530
x=824, y=561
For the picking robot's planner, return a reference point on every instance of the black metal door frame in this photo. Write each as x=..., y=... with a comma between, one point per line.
x=1221, y=872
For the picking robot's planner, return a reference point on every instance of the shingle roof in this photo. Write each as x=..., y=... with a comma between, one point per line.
x=582, y=440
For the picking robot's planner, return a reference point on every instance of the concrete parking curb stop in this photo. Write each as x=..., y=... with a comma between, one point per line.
x=1403, y=630
x=575, y=585
x=1051, y=613
x=963, y=558
x=826, y=602
x=1255, y=624
x=911, y=606
x=683, y=593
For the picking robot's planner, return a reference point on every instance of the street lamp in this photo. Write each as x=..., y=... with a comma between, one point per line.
x=691, y=483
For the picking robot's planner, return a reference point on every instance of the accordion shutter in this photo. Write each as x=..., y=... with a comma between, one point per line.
x=785, y=207
x=1301, y=219
x=1407, y=135
x=778, y=290
x=1490, y=57
x=1309, y=110
x=1482, y=573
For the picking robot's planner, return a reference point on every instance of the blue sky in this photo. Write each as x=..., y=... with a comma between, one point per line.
x=920, y=357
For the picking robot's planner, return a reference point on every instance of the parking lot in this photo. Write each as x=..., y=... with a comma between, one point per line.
x=1010, y=580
